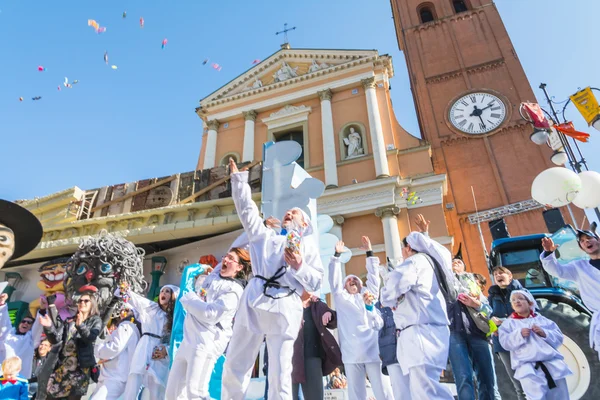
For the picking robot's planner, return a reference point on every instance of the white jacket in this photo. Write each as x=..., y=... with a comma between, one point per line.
x=588, y=280
x=258, y=312
x=209, y=322
x=525, y=352
x=413, y=293
x=153, y=320
x=358, y=327
x=22, y=346
x=117, y=352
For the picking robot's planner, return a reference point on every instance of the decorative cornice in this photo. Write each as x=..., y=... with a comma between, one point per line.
x=368, y=83
x=287, y=110
x=250, y=115
x=212, y=125
x=326, y=94
x=338, y=220
x=474, y=69
x=457, y=139
x=388, y=211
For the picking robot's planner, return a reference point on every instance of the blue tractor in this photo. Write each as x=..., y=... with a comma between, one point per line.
x=558, y=300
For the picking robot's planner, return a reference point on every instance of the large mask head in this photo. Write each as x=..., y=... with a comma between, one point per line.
x=20, y=231
x=100, y=265
x=52, y=274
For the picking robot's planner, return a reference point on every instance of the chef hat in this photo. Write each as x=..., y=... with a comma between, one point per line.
x=174, y=288
x=527, y=295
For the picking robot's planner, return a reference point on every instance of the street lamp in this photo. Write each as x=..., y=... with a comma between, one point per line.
x=563, y=151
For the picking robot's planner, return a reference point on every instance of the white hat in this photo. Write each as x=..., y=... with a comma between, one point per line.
x=527, y=295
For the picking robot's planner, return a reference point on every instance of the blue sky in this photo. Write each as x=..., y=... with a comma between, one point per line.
x=138, y=121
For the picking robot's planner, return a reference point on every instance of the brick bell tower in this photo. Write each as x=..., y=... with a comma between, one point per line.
x=467, y=83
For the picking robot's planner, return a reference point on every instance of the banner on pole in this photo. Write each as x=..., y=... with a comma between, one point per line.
x=586, y=103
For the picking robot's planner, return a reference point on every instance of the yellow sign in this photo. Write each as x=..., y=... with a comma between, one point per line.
x=586, y=103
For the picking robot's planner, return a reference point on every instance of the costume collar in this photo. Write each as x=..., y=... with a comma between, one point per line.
x=517, y=316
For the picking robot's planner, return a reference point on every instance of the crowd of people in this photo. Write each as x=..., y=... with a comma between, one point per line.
x=395, y=331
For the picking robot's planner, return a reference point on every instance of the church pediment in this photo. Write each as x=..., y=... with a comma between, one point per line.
x=289, y=66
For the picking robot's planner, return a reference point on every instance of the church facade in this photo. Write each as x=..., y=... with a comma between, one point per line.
x=336, y=105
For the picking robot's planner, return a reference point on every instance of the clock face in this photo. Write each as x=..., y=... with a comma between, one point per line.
x=477, y=113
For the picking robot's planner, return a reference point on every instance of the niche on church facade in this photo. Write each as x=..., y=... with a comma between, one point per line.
x=353, y=141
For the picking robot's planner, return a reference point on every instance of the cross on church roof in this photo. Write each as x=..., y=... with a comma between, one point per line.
x=285, y=36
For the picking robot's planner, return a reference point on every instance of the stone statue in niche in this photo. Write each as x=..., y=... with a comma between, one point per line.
x=285, y=72
x=353, y=143
x=257, y=83
x=316, y=66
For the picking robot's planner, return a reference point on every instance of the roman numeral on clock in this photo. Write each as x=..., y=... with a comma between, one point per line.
x=495, y=115
x=464, y=103
x=473, y=99
x=463, y=123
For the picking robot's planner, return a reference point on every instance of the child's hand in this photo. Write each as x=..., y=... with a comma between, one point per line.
x=326, y=318
x=272, y=222
x=233, y=169
x=525, y=332
x=45, y=321
x=497, y=321
x=3, y=299
x=339, y=247
x=293, y=259
x=538, y=331
x=422, y=223
x=548, y=245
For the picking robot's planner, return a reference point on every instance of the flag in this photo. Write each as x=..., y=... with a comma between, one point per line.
x=536, y=115
x=568, y=129
x=216, y=66
x=255, y=61
x=586, y=103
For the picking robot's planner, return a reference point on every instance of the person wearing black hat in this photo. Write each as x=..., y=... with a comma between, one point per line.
x=20, y=231
x=585, y=273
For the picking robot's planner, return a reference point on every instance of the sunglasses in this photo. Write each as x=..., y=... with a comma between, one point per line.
x=27, y=321
x=84, y=301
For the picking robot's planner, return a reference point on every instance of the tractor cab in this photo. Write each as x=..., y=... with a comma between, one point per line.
x=521, y=255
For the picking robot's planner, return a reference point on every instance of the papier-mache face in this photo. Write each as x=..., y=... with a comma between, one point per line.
x=100, y=264
x=7, y=244
x=52, y=275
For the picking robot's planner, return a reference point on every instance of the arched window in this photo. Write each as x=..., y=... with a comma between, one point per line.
x=459, y=6
x=225, y=159
x=426, y=15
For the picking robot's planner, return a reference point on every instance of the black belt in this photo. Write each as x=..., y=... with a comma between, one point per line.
x=398, y=331
x=551, y=383
x=272, y=283
x=151, y=335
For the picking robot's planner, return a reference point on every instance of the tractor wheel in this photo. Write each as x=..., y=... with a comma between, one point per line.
x=580, y=358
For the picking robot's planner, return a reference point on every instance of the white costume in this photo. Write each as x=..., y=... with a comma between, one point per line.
x=587, y=278
x=270, y=304
x=144, y=370
x=117, y=352
x=207, y=330
x=22, y=346
x=532, y=355
x=358, y=331
x=413, y=292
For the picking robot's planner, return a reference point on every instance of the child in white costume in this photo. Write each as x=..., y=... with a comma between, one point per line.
x=415, y=291
x=270, y=305
x=533, y=341
x=358, y=325
x=207, y=327
x=586, y=273
x=150, y=363
x=115, y=355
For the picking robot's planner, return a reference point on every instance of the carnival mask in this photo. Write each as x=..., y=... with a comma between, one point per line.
x=7, y=244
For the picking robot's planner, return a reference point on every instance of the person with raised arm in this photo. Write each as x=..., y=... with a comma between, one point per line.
x=418, y=290
x=586, y=273
x=359, y=323
x=283, y=266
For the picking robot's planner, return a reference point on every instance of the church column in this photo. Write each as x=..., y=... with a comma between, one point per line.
x=377, y=139
x=248, y=152
x=391, y=234
x=329, y=162
x=211, y=144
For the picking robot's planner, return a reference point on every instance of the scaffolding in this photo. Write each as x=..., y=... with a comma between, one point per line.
x=504, y=211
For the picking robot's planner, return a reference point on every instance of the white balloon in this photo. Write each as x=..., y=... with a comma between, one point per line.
x=589, y=195
x=556, y=186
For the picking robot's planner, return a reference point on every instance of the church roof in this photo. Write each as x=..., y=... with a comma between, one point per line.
x=288, y=66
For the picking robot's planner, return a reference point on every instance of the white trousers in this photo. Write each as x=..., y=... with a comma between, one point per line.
x=397, y=379
x=424, y=383
x=154, y=390
x=536, y=387
x=241, y=356
x=357, y=381
x=190, y=375
x=108, y=390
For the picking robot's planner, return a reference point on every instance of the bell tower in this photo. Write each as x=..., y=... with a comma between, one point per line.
x=467, y=83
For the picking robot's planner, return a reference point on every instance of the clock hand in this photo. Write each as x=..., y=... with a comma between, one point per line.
x=482, y=122
x=474, y=113
x=485, y=108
